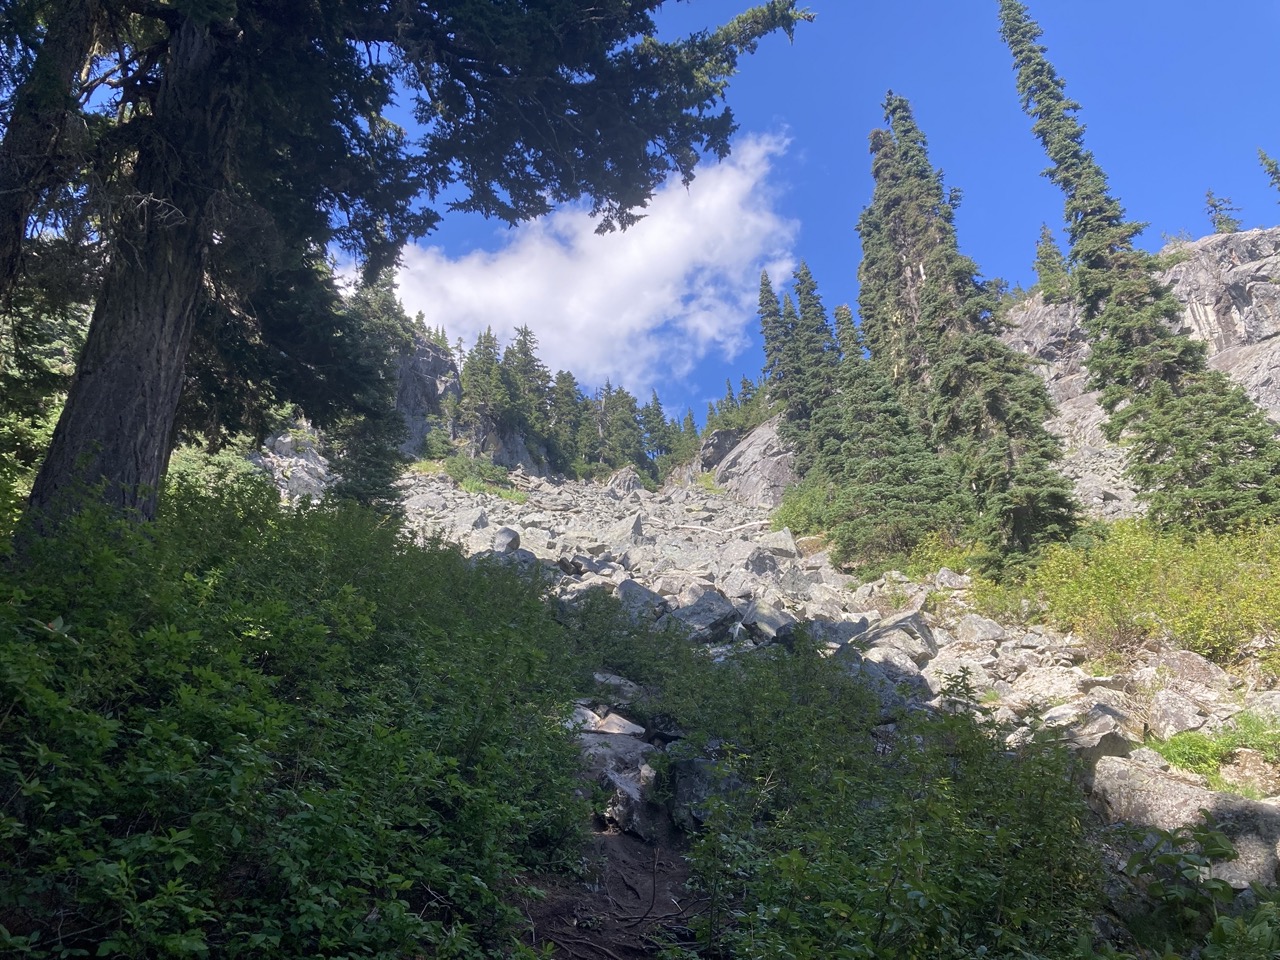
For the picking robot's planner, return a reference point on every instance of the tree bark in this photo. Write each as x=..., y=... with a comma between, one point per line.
x=114, y=433
x=35, y=153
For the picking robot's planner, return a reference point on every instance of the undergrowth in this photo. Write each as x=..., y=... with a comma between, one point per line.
x=248, y=732
x=1127, y=583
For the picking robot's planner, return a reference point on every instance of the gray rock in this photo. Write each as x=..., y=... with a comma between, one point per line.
x=293, y=460
x=767, y=623
x=1100, y=731
x=946, y=579
x=972, y=628
x=907, y=631
x=945, y=669
x=641, y=602
x=911, y=644
x=1171, y=713
x=1186, y=672
x=425, y=375
x=1135, y=792
x=1229, y=285
x=896, y=664
x=625, y=481
x=1265, y=705
x=695, y=781
x=708, y=618
x=473, y=518
x=620, y=764
x=621, y=691
x=758, y=469
x=715, y=446
x=628, y=531
x=780, y=543
x=506, y=539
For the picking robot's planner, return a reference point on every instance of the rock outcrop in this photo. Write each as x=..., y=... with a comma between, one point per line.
x=759, y=469
x=1229, y=285
x=425, y=376
x=293, y=461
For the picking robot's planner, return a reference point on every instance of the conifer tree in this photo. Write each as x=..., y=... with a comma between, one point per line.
x=1150, y=377
x=810, y=357
x=775, y=333
x=1221, y=213
x=485, y=401
x=1051, y=268
x=1271, y=167
x=930, y=325
x=657, y=430
x=684, y=443
x=888, y=488
x=528, y=383
x=566, y=407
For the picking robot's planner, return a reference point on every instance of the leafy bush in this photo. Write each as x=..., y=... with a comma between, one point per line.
x=805, y=507
x=1130, y=582
x=943, y=847
x=247, y=732
x=482, y=470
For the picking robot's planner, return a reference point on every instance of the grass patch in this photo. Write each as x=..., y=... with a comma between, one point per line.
x=707, y=481
x=1205, y=753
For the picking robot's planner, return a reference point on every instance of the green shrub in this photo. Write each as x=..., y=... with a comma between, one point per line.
x=945, y=847
x=805, y=507
x=1130, y=582
x=249, y=732
x=1205, y=753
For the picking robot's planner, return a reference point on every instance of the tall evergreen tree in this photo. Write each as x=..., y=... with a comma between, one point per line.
x=566, y=408
x=1142, y=367
x=269, y=119
x=810, y=356
x=776, y=334
x=914, y=285
x=657, y=429
x=887, y=487
x=930, y=325
x=528, y=383
x=486, y=401
x=623, y=435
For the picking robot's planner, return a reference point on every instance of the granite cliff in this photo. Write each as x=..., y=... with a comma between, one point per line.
x=1229, y=285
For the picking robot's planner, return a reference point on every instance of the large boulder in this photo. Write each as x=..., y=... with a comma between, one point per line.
x=760, y=468
x=715, y=445
x=293, y=460
x=1130, y=790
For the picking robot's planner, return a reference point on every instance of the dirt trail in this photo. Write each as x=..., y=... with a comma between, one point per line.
x=631, y=904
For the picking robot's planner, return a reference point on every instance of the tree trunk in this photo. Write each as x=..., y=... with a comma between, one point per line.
x=35, y=154
x=115, y=431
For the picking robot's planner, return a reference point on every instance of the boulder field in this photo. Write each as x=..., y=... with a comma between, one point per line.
x=698, y=560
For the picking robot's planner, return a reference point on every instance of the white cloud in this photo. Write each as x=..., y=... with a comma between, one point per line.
x=641, y=308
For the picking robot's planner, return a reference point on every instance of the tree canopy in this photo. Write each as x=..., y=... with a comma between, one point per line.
x=229, y=143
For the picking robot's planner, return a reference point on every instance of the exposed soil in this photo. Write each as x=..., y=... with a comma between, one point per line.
x=631, y=902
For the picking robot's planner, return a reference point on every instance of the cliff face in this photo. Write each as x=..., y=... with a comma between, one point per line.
x=424, y=377
x=1229, y=285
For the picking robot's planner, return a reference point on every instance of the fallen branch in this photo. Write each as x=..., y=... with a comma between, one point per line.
x=741, y=526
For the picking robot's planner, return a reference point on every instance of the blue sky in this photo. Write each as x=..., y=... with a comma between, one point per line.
x=1177, y=98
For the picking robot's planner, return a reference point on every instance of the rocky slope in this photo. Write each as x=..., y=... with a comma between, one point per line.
x=1230, y=287
x=707, y=564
